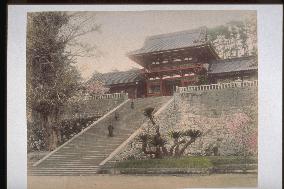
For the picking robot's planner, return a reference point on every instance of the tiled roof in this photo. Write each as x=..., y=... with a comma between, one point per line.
x=233, y=65
x=176, y=40
x=120, y=77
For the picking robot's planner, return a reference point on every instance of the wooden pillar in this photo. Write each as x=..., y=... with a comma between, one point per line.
x=147, y=87
x=182, y=83
x=161, y=87
x=182, y=79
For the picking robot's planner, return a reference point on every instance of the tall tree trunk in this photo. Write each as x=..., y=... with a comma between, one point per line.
x=192, y=140
x=54, y=140
x=177, y=150
x=44, y=126
x=59, y=136
x=171, y=151
x=176, y=142
x=49, y=130
x=164, y=150
x=52, y=122
x=158, y=153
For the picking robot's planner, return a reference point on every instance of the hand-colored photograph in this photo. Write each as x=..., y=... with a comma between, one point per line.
x=142, y=99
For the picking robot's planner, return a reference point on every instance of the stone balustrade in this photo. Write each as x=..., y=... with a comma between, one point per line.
x=93, y=106
x=217, y=86
x=112, y=96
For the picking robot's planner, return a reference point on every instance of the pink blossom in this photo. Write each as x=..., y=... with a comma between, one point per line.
x=96, y=87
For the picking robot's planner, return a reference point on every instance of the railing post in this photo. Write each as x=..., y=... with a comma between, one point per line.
x=217, y=86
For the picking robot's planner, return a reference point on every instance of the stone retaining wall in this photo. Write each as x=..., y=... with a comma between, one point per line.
x=227, y=119
x=91, y=107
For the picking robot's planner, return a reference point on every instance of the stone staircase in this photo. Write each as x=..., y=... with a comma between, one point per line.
x=82, y=154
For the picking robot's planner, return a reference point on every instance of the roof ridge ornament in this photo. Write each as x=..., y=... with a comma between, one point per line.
x=171, y=41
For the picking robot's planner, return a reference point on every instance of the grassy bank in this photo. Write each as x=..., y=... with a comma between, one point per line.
x=227, y=160
x=187, y=162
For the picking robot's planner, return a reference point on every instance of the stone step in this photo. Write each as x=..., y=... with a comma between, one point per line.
x=76, y=155
x=115, y=139
x=92, y=141
x=76, y=148
x=86, y=158
x=81, y=158
x=63, y=169
x=68, y=165
x=87, y=147
x=90, y=138
x=105, y=135
x=94, y=163
x=83, y=154
x=78, y=160
x=87, y=153
x=106, y=142
x=64, y=174
x=72, y=161
x=58, y=169
x=102, y=149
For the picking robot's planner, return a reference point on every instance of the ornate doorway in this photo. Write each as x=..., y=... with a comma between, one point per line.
x=170, y=86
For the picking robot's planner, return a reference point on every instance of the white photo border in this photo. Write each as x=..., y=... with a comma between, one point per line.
x=269, y=18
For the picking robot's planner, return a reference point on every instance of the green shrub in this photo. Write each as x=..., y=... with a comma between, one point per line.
x=222, y=160
x=187, y=162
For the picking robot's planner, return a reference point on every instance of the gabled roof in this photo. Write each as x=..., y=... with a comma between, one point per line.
x=233, y=65
x=120, y=77
x=176, y=40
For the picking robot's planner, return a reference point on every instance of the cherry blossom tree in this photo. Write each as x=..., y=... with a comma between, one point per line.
x=235, y=39
x=243, y=133
x=96, y=88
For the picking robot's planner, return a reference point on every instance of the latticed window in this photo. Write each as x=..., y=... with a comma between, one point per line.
x=154, y=88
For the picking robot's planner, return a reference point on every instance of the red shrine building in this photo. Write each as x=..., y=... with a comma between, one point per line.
x=177, y=59
x=174, y=59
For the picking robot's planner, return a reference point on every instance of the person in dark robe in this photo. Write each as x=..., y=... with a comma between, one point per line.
x=132, y=104
x=116, y=116
x=110, y=130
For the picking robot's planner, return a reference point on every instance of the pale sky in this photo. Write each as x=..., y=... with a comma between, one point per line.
x=122, y=32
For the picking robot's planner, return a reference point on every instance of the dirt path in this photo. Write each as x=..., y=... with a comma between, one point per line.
x=141, y=182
